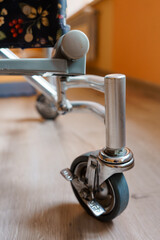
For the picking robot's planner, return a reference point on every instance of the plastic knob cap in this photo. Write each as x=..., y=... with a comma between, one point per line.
x=75, y=44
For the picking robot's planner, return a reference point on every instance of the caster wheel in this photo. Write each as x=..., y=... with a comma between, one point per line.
x=45, y=108
x=114, y=194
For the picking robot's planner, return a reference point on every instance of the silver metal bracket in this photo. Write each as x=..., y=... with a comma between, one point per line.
x=103, y=166
x=92, y=173
x=112, y=164
x=84, y=193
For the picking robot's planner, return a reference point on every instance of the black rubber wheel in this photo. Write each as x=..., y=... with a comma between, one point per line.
x=45, y=108
x=117, y=196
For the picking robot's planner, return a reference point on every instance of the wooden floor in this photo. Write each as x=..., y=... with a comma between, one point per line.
x=36, y=203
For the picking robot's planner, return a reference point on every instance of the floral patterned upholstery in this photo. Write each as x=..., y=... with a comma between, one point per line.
x=31, y=23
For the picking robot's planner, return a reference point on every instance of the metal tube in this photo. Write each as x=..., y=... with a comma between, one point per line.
x=36, y=81
x=36, y=66
x=115, y=98
x=63, y=104
x=86, y=81
x=44, y=87
x=92, y=106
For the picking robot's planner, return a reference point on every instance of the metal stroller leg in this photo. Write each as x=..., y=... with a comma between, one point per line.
x=36, y=81
x=96, y=178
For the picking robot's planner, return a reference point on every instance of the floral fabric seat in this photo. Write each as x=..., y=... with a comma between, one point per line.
x=31, y=23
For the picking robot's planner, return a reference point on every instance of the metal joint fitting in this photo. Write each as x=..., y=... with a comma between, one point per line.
x=124, y=161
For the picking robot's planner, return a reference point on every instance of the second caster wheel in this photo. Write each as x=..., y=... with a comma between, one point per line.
x=113, y=195
x=46, y=108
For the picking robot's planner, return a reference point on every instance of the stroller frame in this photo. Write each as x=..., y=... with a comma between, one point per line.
x=95, y=177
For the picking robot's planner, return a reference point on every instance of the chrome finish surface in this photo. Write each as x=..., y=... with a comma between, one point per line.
x=8, y=54
x=125, y=156
x=95, y=208
x=92, y=173
x=84, y=191
x=115, y=95
x=99, y=200
x=88, y=105
x=86, y=81
x=101, y=167
x=110, y=165
x=44, y=87
x=106, y=196
x=63, y=105
x=66, y=173
x=98, y=169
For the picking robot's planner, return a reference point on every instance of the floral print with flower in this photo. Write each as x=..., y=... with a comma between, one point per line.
x=28, y=23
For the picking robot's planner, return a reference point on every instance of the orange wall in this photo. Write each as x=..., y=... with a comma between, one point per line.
x=130, y=42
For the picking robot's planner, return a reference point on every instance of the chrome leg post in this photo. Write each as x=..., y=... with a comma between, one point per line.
x=115, y=157
x=115, y=102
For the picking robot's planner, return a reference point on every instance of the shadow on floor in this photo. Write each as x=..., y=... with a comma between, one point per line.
x=67, y=221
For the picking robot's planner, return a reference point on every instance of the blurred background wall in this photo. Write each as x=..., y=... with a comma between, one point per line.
x=127, y=36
